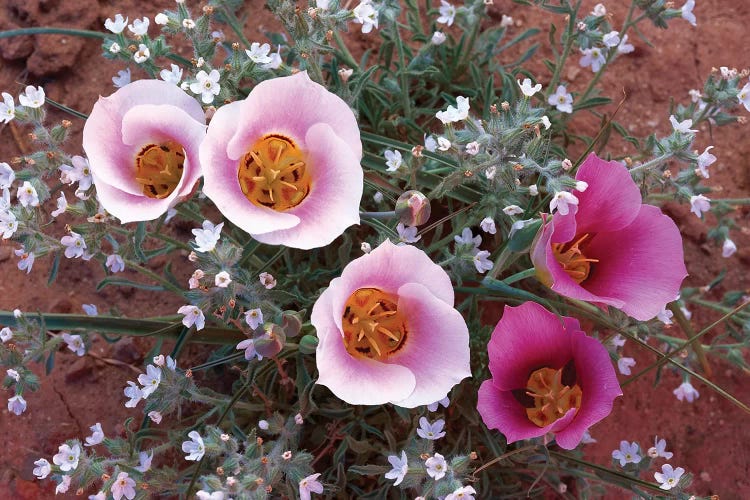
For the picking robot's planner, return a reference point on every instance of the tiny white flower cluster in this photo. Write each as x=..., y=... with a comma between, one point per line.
x=629, y=453
x=149, y=381
x=480, y=258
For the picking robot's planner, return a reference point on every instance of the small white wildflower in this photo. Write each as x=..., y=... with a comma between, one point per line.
x=447, y=13
x=506, y=21
x=468, y=238
x=443, y=144
x=625, y=47
x=155, y=417
x=7, y=109
x=193, y=316
x=308, y=485
x=627, y=454
x=194, y=448
x=188, y=24
x=527, y=88
x=13, y=374
x=625, y=364
x=438, y=38
x=276, y=60
x=567, y=164
x=150, y=380
x=75, y=343
x=194, y=281
x=463, y=493
x=365, y=247
x=699, y=204
x=161, y=19
x=62, y=205
x=431, y=431
x=173, y=76
x=599, y=10
x=611, y=39
x=16, y=404
x=533, y=190
x=27, y=195
x=259, y=53
x=687, y=12
x=393, y=159
x=133, y=392
x=686, y=391
x=545, y=121
x=513, y=210
x=97, y=435
x=122, y=78
x=665, y=316
x=366, y=15
x=206, y=238
x=254, y=318
x=222, y=279
x=668, y=477
x=123, y=486
x=399, y=468
x=139, y=26
x=6, y=334
x=728, y=248
x=298, y=419
x=142, y=54
x=115, y=263
x=454, y=114
x=488, y=225
x=207, y=85
x=592, y=57
x=267, y=280
x=407, y=234
x=117, y=25
x=115, y=48
x=145, y=460
x=659, y=449
x=482, y=262
x=562, y=100
x=436, y=466
x=490, y=173
x=42, y=469
x=64, y=485
x=562, y=201
x=263, y=425
x=581, y=186
x=683, y=126
x=744, y=96
x=67, y=457
x=705, y=160
x=472, y=148
x=74, y=245
x=27, y=259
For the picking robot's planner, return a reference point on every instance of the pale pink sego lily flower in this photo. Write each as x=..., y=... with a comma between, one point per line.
x=283, y=164
x=388, y=331
x=611, y=249
x=547, y=376
x=142, y=146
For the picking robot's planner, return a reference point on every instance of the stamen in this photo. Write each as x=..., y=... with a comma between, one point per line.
x=373, y=328
x=551, y=398
x=159, y=167
x=572, y=259
x=273, y=174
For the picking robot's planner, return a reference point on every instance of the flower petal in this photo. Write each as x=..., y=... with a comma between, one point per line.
x=436, y=349
x=612, y=199
x=642, y=265
x=599, y=385
x=359, y=381
x=500, y=410
x=527, y=337
x=333, y=202
x=220, y=177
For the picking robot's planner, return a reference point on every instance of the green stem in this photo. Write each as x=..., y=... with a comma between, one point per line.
x=528, y=273
x=161, y=280
x=378, y=215
x=233, y=23
x=125, y=326
x=345, y=54
x=53, y=31
x=655, y=162
x=566, y=51
x=679, y=316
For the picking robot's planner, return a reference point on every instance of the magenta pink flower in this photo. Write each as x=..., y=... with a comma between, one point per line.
x=142, y=143
x=611, y=250
x=388, y=331
x=284, y=163
x=547, y=376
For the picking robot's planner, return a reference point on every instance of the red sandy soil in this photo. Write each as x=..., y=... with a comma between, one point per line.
x=707, y=437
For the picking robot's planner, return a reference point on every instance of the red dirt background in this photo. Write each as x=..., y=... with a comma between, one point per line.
x=707, y=437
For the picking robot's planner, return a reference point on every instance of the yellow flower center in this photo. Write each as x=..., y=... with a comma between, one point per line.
x=551, y=397
x=274, y=173
x=373, y=327
x=572, y=259
x=159, y=168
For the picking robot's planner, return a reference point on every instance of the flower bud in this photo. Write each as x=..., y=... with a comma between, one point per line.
x=271, y=341
x=308, y=344
x=413, y=208
x=291, y=322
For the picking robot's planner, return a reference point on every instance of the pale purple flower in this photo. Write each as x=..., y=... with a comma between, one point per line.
x=627, y=454
x=32, y=97
x=659, y=449
x=468, y=238
x=562, y=100
x=7, y=108
x=366, y=15
x=527, y=88
x=7, y=175
x=254, y=318
x=625, y=47
x=207, y=85
x=67, y=457
x=155, y=417
x=462, y=493
x=27, y=195
x=407, y=234
x=249, y=346
x=193, y=316
x=728, y=248
x=686, y=391
x=687, y=14
x=115, y=263
x=42, y=469
x=149, y=380
x=444, y=402
x=488, y=225
x=611, y=39
x=309, y=485
x=64, y=485
x=482, y=262
x=669, y=477
x=122, y=78
x=699, y=204
x=75, y=343
x=97, y=435
x=123, y=486
x=431, y=431
x=705, y=159
x=625, y=364
x=399, y=468
x=134, y=393
x=27, y=259
x=393, y=159
x=436, y=466
x=194, y=448
x=207, y=237
x=16, y=404
x=562, y=201
x=145, y=459
x=74, y=245
x=682, y=127
x=593, y=57
x=447, y=13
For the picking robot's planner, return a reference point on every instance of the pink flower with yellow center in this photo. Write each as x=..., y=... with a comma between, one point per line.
x=388, y=331
x=283, y=164
x=612, y=249
x=547, y=376
x=142, y=146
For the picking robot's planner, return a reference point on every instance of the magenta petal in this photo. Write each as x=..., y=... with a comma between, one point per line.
x=612, y=199
x=220, y=181
x=436, y=349
x=359, y=381
x=333, y=202
x=598, y=382
x=642, y=264
x=526, y=338
x=500, y=410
